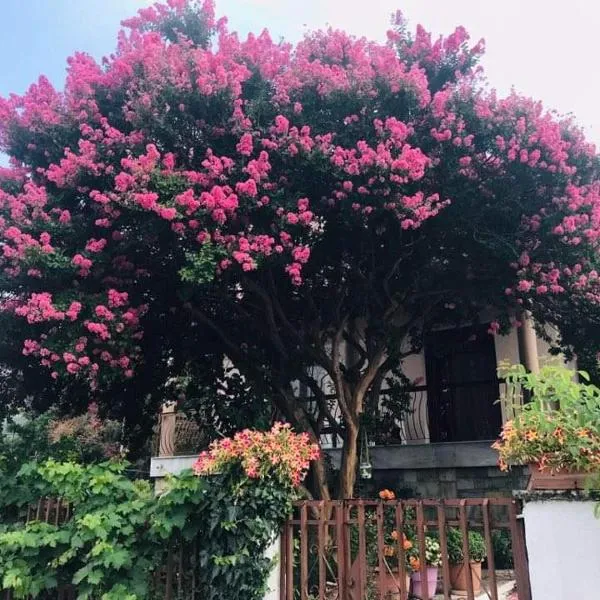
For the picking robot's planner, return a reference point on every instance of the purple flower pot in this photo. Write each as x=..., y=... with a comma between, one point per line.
x=418, y=587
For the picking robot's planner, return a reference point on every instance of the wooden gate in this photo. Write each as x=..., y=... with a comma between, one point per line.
x=376, y=549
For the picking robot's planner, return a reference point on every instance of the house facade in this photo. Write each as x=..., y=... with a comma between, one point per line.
x=441, y=445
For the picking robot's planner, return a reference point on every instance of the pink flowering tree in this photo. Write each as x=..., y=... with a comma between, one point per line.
x=310, y=210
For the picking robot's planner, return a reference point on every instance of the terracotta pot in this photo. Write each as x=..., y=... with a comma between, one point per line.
x=557, y=480
x=391, y=584
x=458, y=577
x=418, y=587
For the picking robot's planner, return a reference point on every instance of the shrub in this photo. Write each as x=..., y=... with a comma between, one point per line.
x=559, y=428
x=119, y=532
x=502, y=546
x=433, y=554
x=477, y=551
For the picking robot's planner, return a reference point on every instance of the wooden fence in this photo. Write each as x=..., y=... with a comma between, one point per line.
x=341, y=550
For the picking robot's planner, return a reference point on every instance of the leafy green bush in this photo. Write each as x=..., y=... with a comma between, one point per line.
x=502, y=546
x=119, y=533
x=477, y=551
x=119, y=530
x=559, y=428
x=83, y=438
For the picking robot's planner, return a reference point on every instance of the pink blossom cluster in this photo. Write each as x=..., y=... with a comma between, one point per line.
x=341, y=129
x=98, y=343
x=279, y=453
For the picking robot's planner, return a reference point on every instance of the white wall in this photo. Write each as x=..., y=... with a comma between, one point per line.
x=507, y=347
x=273, y=552
x=563, y=543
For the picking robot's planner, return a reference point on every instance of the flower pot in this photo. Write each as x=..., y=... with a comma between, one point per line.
x=556, y=480
x=390, y=589
x=458, y=578
x=418, y=587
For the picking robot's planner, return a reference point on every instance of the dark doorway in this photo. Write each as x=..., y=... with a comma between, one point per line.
x=462, y=385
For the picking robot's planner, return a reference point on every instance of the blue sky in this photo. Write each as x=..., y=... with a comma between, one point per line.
x=545, y=48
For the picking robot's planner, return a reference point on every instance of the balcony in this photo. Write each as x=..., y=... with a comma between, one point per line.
x=467, y=413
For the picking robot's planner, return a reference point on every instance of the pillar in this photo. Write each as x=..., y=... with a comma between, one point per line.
x=168, y=419
x=273, y=583
x=528, y=351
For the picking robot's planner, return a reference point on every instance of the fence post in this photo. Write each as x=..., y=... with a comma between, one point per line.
x=168, y=418
x=563, y=544
x=274, y=581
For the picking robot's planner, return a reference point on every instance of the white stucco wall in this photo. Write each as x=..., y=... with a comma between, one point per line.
x=544, y=355
x=563, y=543
x=273, y=552
x=507, y=347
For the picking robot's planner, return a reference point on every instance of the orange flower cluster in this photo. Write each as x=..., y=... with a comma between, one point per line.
x=280, y=453
x=387, y=495
x=406, y=543
x=552, y=441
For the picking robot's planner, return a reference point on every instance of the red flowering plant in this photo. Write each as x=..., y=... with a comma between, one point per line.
x=559, y=428
x=279, y=453
x=198, y=193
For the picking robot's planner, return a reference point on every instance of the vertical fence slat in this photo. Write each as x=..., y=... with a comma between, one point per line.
x=58, y=509
x=282, y=566
x=441, y=517
x=380, y=550
x=400, y=550
x=194, y=564
x=322, y=533
x=303, y=552
x=341, y=554
x=464, y=530
x=362, y=551
x=48, y=509
x=38, y=511
x=180, y=570
x=348, y=551
x=289, y=562
x=519, y=554
x=487, y=534
x=422, y=554
x=169, y=578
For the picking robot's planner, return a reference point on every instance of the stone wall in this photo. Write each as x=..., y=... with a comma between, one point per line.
x=458, y=482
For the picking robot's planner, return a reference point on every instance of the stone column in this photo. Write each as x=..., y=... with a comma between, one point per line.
x=168, y=419
x=528, y=351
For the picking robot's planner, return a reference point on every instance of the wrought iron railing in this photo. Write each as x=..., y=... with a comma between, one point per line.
x=177, y=435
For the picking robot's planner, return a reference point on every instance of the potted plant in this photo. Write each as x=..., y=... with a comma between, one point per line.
x=433, y=558
x=390, y=580
x=384, y=582
x=556, y=433
x=458, y=569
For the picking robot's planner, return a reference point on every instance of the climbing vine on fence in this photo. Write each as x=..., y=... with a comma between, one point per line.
x=117, y=537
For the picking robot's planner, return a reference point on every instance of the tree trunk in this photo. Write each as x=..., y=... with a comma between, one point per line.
x=319, y=479
x=349, y=461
